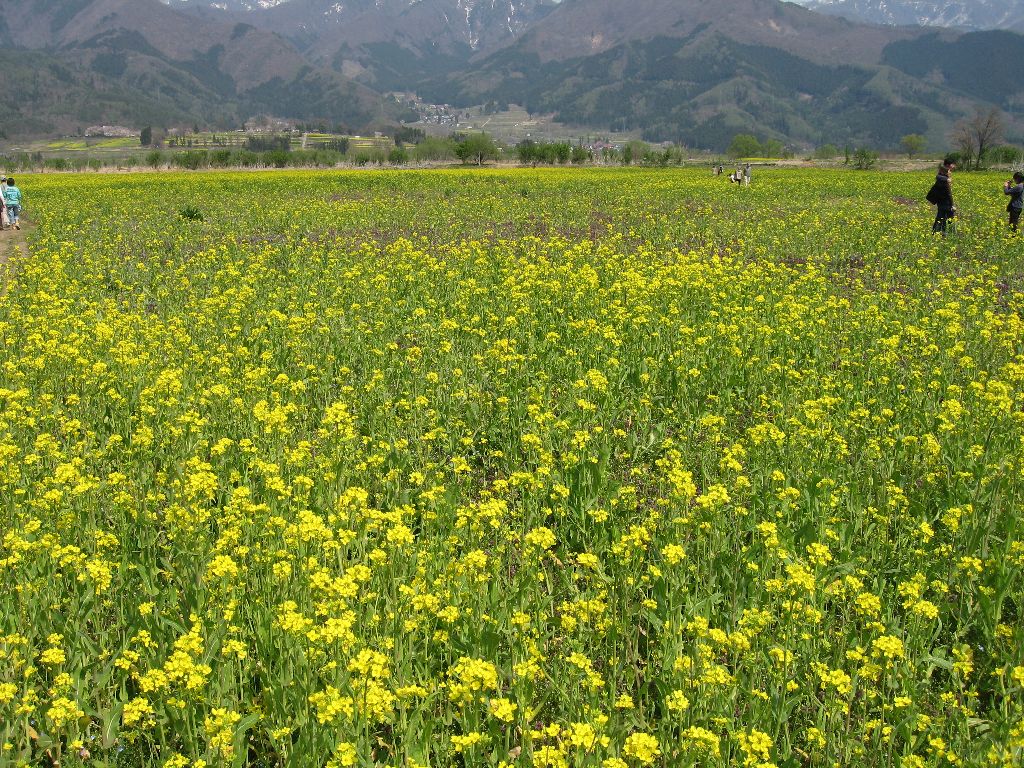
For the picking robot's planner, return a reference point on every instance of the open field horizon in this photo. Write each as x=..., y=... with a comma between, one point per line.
x=597, y=468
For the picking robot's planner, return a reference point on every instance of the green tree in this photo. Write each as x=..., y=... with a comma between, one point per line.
x=744, y=145
x=634, y=152
x=773, y=148
x=913, y=144
x=434, y=148
x=476, y=148
x=146, y=139
x=826, y=152
x=408, y=135
x=526, y=151
x=1007, y=154
x=191, y=160
x=864, y=159
x=278, y=158
x=220, y=158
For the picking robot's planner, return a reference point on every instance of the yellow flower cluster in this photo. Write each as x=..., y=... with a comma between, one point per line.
x=522, y=468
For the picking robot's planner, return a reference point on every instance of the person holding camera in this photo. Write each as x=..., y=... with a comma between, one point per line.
x=1015, y=189
x=941, y=196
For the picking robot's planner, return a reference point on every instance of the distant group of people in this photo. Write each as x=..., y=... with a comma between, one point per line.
x=10, y=203
x=739, y=176
x=941, y=196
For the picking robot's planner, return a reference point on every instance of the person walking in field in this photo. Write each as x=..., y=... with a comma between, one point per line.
x=1015, y=190
x=746, y=175
x=4, y=221
x=12, y=201
x=941, y=196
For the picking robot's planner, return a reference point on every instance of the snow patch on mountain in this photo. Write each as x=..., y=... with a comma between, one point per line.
x=962, y=14
x=229, y=5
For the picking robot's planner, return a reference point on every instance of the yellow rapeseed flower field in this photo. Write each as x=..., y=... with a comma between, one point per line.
x=600, y=469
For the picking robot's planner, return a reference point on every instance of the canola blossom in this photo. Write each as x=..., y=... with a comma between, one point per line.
x=599, y=469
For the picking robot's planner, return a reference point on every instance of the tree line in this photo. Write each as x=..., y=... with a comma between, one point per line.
x=977, y=141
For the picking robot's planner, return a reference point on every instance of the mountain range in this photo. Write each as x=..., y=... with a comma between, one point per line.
x=388, y=44
x=962, y=14
x=73, y=62
x=685, y=70
x=699, y=72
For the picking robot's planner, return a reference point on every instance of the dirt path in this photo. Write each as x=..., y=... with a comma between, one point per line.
x=12, y=247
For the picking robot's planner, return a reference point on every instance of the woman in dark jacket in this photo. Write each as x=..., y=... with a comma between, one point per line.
x=1016, y=192
x=942, y=197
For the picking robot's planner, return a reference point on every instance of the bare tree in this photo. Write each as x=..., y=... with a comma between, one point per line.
x=976, y=136
x=963, y=140
x=988, y=131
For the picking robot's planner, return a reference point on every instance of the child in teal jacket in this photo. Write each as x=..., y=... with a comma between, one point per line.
x=12, y=199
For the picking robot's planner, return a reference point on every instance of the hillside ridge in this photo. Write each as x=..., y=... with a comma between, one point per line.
x=680, y=70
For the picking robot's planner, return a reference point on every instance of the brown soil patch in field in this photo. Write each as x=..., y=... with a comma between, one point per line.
x=907, y=201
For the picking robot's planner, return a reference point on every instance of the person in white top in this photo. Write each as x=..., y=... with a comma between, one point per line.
x=5, y=220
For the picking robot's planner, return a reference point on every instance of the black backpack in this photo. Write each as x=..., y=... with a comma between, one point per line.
x=934, y=195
